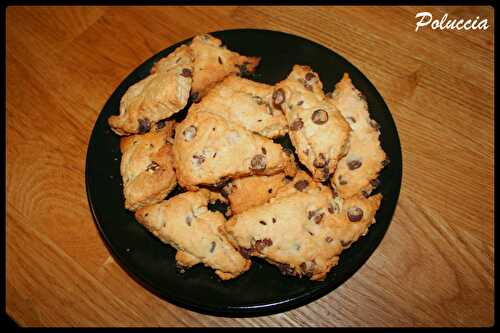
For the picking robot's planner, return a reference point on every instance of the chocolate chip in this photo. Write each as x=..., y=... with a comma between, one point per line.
x=261, y=244
x=274, y=220
x=310, y=233
x=144, y=125
x=189, y=219
x=278, y=98
x=342, y=180
x=258, y=163
x=315, y=216
x=198, y=160
x=299, y=103
x=354, y=164
x=220, y=60
x=186, y=72
x=320, y=161
x=297, y=124
x=355, y=214
x=319, y=117
x=346, y=243
x=301, y=185
x=263, y=222
x=386, y=162
x=310, y=76
x=153, y=166
x=189, y=133
x=212, y=247
x=374, y=124
x=328, y=239
x=270, y=191
x=264, y=151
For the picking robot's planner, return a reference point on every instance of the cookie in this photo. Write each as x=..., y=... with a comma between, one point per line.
x=357, y=172
x=147, y=166
x=161, y=94
x=208, y=150
x=303, y=232
x=247, y=192
x=318, y=131
x=213, y=62
x=185, y=223
x=247, y=103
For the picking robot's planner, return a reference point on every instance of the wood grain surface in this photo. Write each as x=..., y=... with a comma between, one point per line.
x=435, y=264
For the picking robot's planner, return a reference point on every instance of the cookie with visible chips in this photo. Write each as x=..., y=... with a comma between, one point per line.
x=147, y=166
x=304, y=229
x=208, y=150
x=248, y=103
x=213, y=62
x=318, y=131
x=357, y=172
x=158, y=96
x=185, y=223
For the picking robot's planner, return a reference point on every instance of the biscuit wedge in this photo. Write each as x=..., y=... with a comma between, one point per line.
x=209, y=150
x=318, y=131
x=158, y=96
x=213, y=62
x=146, y=166
x=185, y=223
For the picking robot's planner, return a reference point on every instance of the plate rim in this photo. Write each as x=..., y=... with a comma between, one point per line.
x=258, y=309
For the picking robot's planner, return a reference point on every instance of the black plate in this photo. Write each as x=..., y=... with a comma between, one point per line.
x=261, y=290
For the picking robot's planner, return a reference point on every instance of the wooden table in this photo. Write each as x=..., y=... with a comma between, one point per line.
x=435, y=264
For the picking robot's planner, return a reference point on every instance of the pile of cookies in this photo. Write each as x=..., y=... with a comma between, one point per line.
x=298, y=212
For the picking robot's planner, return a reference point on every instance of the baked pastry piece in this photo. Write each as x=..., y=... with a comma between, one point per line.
x=164, y=92
x=147, y=166
x=208, y=150
x=303, y=229
x=247, y=192
x=185, y=223
x=213, y=62
x=247, y=103
x=357, y=172
x=317, y=130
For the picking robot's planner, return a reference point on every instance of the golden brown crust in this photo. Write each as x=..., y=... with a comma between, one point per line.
x=208, y=150
x=213, y=62
x=357, y=172
x=147, y=167
x=158, y=96
x=185, y=223
x=317, y=130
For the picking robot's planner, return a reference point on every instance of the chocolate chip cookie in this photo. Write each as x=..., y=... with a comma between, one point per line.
x=317, y=129
x=185, y=223
x=164, y=92
x=304, y=231
x=213, y=62
x=357, y=172
x=209, y=150
x=247, y=103
x=147, y=166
